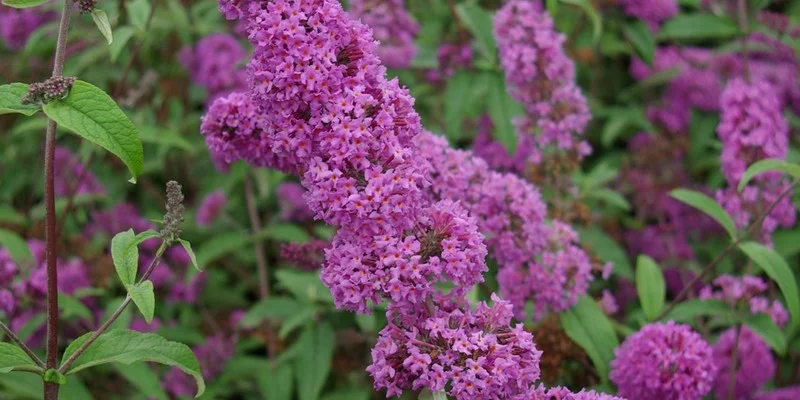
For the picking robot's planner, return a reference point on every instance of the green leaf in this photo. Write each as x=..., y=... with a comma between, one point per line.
x=697, y=26
x=12, y=358
x=767, y=165
x=479, y=23
x=138, y=11
x=296, y=320
x=276, y=382
x=188, y=247
x=503, y=109
x=144, y=298
x=591, y=11
x=650, y=286
x=688, y=310
x=24, y=3
x=71, y=306
x=764, y=326
x=125, y=253
x=123, y=34
x=304, y=285
x=141, y=376
x=53, y=376
x=456, y=96
x=272, y=307
x=10, y=215
x=127, y=347
x=587, y=325
x=100, y=19
x=92, y=114
x=16, y=246
x=11, y=100
x=286, y=232
x=219, y=246
x=610, y=196
x=778, y=270
x=638, y=34
x=707, y=205
x=313, y=363
x=607, y=250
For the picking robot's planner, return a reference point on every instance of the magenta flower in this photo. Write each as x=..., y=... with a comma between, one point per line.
x=392, y=26
x=653, y=12
x=212, y=206
x=213, y=63
x=746, y=292
x=307, y=256
x=472, y=354
x=665, y=361
x=16, y=25
x=72, y=177
x=754, y=368
x=541, y=78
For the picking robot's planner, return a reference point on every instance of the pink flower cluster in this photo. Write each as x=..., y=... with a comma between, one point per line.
x=754, y=368
x=292, y=204
x=653, y=12
x=451, y=56
x=495, y=155
x=746, y=291
x=392, y=25
x=17, y=24
x=561, y=393
x=542, y=78
x=539, y=262
x=320, y=107
x=212, y=206
x=213, y=63
x=72, y=177
x=471, y=354
x=308, y=256
x=665, y=361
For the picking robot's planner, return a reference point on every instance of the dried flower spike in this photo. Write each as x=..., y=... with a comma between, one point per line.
x=171, y=228
x=55, y=88
x=86, y=6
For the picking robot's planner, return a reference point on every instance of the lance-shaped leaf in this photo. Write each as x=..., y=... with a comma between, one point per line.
x=777, y=269
x=92, y=114
x=707, y=205
x=586, y=324
x=12, y=358
x=650, y=286
x=125, y=346
x=768, y=165
x=125, y=254
x=11, y=100
x=764, y=326
x=144, y=298
x=24, y=3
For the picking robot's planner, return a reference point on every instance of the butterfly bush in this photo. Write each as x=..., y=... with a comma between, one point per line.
x=666, y=361
x=747, y=291
x=392, y=26
x=788, y=393
x=212, y=206
x=538, y=261
x=652, y=12
x=496, y=155
x=307, y=256
x=754, y=368
x=471, y=354
x=291, y=203
x=213, y=63
x=451, y=57
x=320, y=107
x=542, y=78
x=561, y=393
x=17, y=24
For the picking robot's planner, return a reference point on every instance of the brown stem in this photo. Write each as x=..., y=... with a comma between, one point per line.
x=51, y=389
x=734, y=361
x=8, y=332
x=255, y=226
x=710, y=267
x=96, y=334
